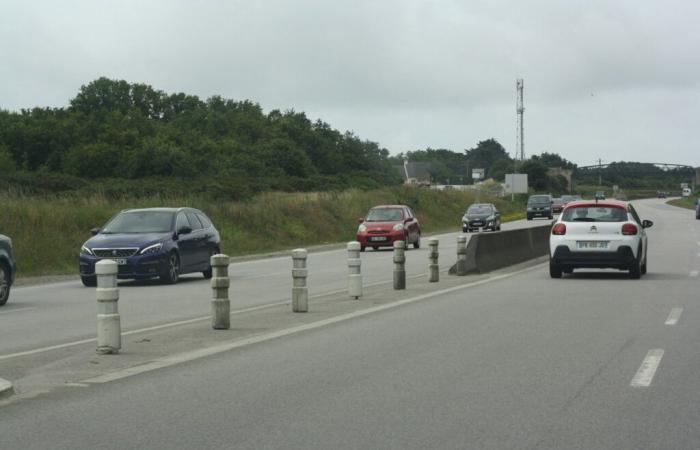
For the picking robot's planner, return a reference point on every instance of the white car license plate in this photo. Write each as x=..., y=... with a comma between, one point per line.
x=377, y=238
x=120, y=261
x=592, y=244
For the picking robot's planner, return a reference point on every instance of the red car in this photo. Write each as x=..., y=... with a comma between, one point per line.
x=385, y=224
x=557, y=205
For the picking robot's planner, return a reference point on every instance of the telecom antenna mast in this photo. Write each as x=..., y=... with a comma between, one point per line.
x=519, y=144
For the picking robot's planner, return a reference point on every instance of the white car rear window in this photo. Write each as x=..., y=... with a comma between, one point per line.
x=594, y=214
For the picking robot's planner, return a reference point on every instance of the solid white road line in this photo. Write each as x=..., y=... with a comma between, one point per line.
x=674, y=316
x=201, y=353
x=184, y=322
x=694, y=273
x=17, y=310
x=646, y=371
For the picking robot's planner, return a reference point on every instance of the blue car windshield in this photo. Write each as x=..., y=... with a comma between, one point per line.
x=479, y=209
x=140, y=222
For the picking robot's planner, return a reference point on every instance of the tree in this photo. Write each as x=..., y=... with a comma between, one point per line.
x=485, y=154
x=536, y=174
x=7, y=163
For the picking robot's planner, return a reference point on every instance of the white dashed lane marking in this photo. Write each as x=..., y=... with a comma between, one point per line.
x=694, y=273
x=645, y=374
x=674, y=316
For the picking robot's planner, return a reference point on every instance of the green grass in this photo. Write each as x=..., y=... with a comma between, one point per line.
x=47, y=232
x=685, y=202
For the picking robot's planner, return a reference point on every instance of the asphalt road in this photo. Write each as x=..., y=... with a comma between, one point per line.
x=594, y=360
x=52, y=314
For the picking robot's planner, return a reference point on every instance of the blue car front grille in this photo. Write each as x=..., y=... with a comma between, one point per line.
x=114, y=252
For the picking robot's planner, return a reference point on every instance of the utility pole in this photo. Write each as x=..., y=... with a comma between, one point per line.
x=520, y=109
x=600, y=170
x=519, y=143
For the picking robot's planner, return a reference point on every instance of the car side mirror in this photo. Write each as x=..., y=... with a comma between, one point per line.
x=360, y=219
x=95, y=231
x=647, y=223
x=406, y=220
x=184, y=230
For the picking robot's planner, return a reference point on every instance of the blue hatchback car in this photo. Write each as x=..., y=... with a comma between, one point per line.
x=152, y=242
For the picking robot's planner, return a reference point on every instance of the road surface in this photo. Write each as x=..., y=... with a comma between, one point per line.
x=594, y=360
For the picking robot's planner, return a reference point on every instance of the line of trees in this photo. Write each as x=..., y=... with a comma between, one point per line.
x=114, y=129
x=453, y=167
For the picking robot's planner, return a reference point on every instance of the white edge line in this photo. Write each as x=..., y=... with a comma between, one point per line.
x=181, y=322
x=694, y=273
x=196, y=354
x=645, y=374
x=674, y=316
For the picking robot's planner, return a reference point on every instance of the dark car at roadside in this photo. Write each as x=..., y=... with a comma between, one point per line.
x=152, y=243
x=539, y=206
x=697, y=209
x=481, y=215
x=386, y=224
x=8, y=268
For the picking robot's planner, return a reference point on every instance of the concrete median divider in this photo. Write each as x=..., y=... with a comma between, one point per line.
x=491, y=251
x=6, y=388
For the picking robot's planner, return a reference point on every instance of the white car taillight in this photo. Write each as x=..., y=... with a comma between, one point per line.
x=629, y=229
x=559, y=229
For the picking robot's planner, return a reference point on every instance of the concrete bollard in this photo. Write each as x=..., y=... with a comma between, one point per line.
x=461, y=255
x=220, y=282
x=300, y=292
x=399, y=265
x=354, y=270
x=433, y=257
x=109, y=329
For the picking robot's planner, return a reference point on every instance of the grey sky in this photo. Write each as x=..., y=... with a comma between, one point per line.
x=617, y=80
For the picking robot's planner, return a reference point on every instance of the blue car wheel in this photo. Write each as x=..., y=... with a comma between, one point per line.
x=172, y=273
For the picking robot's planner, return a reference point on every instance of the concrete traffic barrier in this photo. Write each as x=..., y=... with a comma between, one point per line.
x=491, y=251
x=433, y=258
x=220, y=303
x=462, y=255
x=354, y=270
x=109, y=331
x=399, y=265
x=6, y=388
x=300, y=292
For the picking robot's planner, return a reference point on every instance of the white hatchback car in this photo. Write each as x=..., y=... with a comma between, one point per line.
x=598, y=234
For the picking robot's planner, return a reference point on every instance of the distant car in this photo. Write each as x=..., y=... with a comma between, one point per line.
x=557, y=205
x=386, y=224
x=697, y=209
x=152, y=242
x=8, y=268
x=569, y=198
x=686, y=192
x=481, y=215
x=600, y=195
x=660, y=194
x=602, y=234
x=539, y=206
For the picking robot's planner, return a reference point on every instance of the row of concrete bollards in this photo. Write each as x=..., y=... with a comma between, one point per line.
x=109, y=322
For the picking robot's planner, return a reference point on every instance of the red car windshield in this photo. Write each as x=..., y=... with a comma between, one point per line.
x=384, y=215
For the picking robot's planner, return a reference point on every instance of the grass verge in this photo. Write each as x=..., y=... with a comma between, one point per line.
x=47, y=232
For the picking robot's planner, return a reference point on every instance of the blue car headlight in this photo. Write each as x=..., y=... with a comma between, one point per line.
x=86, y=251
x=151, y=249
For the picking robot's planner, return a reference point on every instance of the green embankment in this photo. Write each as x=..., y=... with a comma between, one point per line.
x=47, y=232
x=685, y=202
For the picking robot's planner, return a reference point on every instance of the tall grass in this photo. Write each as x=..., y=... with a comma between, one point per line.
x=47, y=232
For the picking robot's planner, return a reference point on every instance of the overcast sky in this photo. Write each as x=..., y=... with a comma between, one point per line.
x=617, y=80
